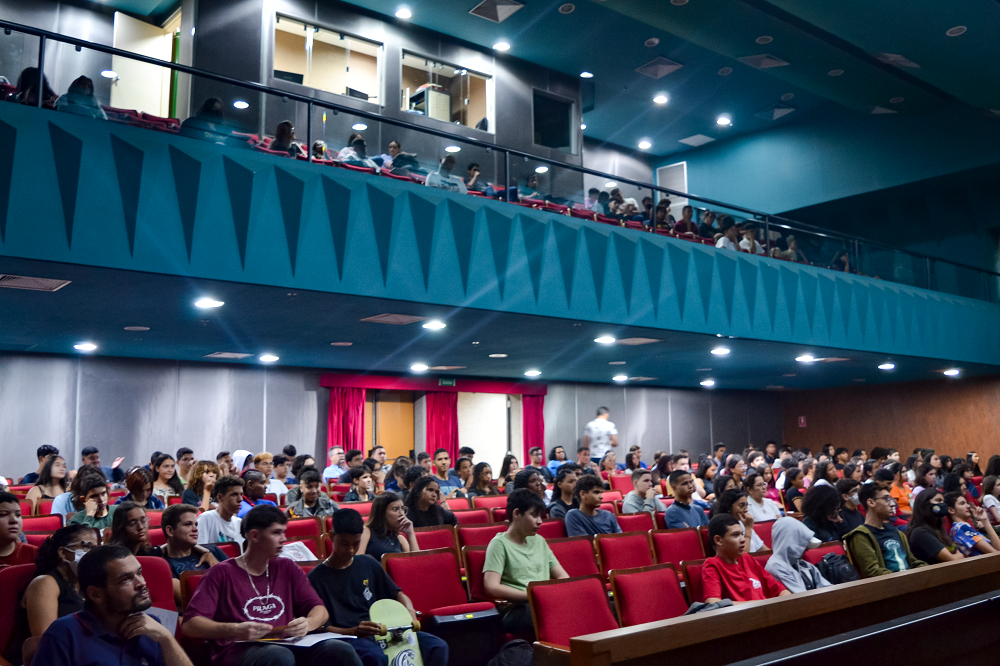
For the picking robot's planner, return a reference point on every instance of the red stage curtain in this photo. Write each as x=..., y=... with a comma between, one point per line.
x=533, y=424
x=442, y=423
x=346, y=419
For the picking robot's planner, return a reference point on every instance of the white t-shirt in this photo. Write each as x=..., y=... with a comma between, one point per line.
x=212, y=529
x=763, y=512
x=745, y=244
x=450, y=183
x=277, y=487
x=756, y=543
x=599, y=433
x=727, y=244
x=989, y=501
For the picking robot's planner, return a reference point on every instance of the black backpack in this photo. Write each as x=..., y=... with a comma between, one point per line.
x=513, y=653
x=837, y=569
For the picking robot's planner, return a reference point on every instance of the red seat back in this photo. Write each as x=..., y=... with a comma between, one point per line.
x=159, y=581
x=49, y=523
x=635, y=522
x=555, y=608
x=439, y=536
x=815, y=555
x=155, y=518
x=609, y=506
x=620, y=482
x=364, y=508
x=475, y=561
x=157, y=538
x=613, y=495
x=676, y=545
x=499, y=514
x=189, y=583
x=763, y=530
x=45, y=507
x=473, y=517
x=554, y=528
x=12, y=581
x=36, y=539
x=429, y=578
x=762, y=556
x=490, y=502
x=300, y=527
x=25, y=507
x=692, y=580
x=230, y=548
x=458, y=504
x=174, y=499
x=479, y=536
x=575, y=555
x=623, y=551
x=647, y=594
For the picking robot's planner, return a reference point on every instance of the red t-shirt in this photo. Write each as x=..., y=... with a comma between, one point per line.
x=744, y=580
x=24, y=553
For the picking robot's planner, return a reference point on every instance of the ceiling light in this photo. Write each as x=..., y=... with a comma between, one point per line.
x=583, y=126
x=268, y=358
x=498, y=355
x=708, y=382
x=435, y=325
x=359, y=127
x=85, y=346
x=502, y=46
x=137, y=328
x=897, y=100
x=208, y=303
x=720, y=351
x=452, y=149
x=616, y=363
x=645, y=145
x=835, y=72
x=240, y=104
x=887, y=366
x=620, y=378
x=952, y=373
x=610, y=183
x=109, y=74
x=532, y=373
x=418, y=367
x=605, y=340
x=403, y=13
x=956, y=31
x=586, y=75
x=660, y=99
x=808, y=358
x=725, y=121
x=541, y=169
x=341, y=344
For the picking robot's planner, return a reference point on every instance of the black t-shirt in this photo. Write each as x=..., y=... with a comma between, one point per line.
x=924, y=545
x=544, y=471
x=851, y=519
x=432, y=517
x=380, y=545
x=178, y=565
x=349, y=593
x=891, y=543
x=790, y=495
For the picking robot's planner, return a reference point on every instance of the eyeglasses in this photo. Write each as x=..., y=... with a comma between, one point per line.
x=80, y=545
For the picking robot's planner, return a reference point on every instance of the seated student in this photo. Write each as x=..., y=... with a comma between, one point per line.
x=730, y=234
x=255, y=486
x=378, y=471
x=463, y=471
x=821, y=508
x=130, y=530
x=361, y=485
x=449, y=485
x=794, y=482
x=928, y=539
x=537, y=456
x=113, y=623
x=182, y=552
x=397, y=474
x=209, y=124
x=311, y=501
x=239, y=602
x=732, y=573
x=518, y=557
x=761, y=508
x=684, y=512
x=352, y=459
x=356, y=153
x=686, y=225
x=590, y=518
x=201, y=484
x=42, y=453
x=91, y=496
x=529, y=479
x=139, y=481
x=284, y=139
x=850, y=513
x=990, y=502
x=473, y=182
x=790, y=539
x=388, y=529
x=411, y=476
x=80, y=100
x=926, y=478
x=264, y=463
x=603, y=204
x=442, y=178
x=748, y=232
x=894, y=475
x=584, y=462
x=825, y=474
x=970, y=527
x=642, y=497
x=422, y=504
x=878, y=549
x=463, y=452
x=964, y=472
x=221, y=524
x=51, y=482
x=531, y=190
x=735, y=502
x=557, y=458
x=349, y=585
x=564, y=498
x=12, y=551
x=482, y=481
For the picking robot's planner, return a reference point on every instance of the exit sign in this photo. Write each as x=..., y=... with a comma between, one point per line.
x=446, y=382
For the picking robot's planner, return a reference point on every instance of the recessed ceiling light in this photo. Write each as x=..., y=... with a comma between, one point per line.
x=418, y=367
x=208, y=303
x=645, y=145
x=109, y=74
x=567, y=8
x=435, y=325
x=764, y=39
x=341, y=344
x=137, y=328
x=897, y=100
x=956, y=31
x=586, y=75
x=788, y=97
x=708, y=382
x=359, y=127
x=678, y=3
x=240, y=104
x=725, y=71
x=660, y=99
x=835, y=72
x=952, y=373
x=85, y=346
x=720, y=351
x=452, y=149
x=403, y=13
x=610, y=183
x=652, y=41
x=502, y=46
x=616, y=363
x=887, y=366
x=725, y=121
x=807, y=358
x=532, y=373
x=605, y=340
x=268, y=358
x=583, y=126
x=541, y=169
x=498, y=355
x=620, y=378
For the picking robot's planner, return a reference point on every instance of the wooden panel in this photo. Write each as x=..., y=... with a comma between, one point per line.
x=395, y=422
x=950, y=416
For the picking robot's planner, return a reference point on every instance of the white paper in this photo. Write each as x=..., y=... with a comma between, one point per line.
x=308, y=640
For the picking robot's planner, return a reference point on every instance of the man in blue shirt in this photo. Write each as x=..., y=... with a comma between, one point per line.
x=590, y=519
x=449, y=485
x=114, y=474
x=337, y=466
x=112, y=628
x=683, y=512
x=253, y=492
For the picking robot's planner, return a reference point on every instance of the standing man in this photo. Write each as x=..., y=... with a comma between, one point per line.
x=337, y=467
x=600, y=435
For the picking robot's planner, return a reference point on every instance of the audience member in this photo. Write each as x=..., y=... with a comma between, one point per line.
x=735, y=502
x=50, y=482
x=450, y=486
x=225, y=463
x=472, y=183
x=179, y=524
x=608, y=464
x=841, y=261
x=590, y=519
x=42, y=452
x=557, y=458
x=926, y=478
x=732, y=573
x=422, y=504
x=12, y=551
x=719, y=453
x=209, y=124
x=537, y=456
x=822, y=513
x=412, y=474
x=585, y=462
x=970, y=527
x=964, y=472
x=242, y=461
x=707, y=229
x=80, y=100
x=320, y=151
x=361, y=485
x=201, y=484
x=928, y=539
x=603, y=204
x=90, y=498
x=280, y=472
x=899, y=492
x=792, y=253
x=397, y=474
x=517, y=557
x=254, y=489
x=761, y=508
x=311, y=502
x=139, y=482
x=185, y=463
x=221, y=524
x=730, y=234
x=686, y=225
x=825, y=474
x=264, y=463
x=642, y=497
x=463, y=469
x=28, y=86
x=530, y=479
x=850, y=513
x=972, y=460
x=130, y=530
x=337, y=467
x=600, y=435
x=356, y=153
x=877, y=549
x=794, y=481
x=531, y=190
x=789, y=540
x=591, y=198
x=284, y=140
x=748, y=232
x=707, y=469
x=442, y=178
x=563, y=496
x=388, y=529
x=91, y=456
x=482, y=481
x=69, y=502
x=990, y=502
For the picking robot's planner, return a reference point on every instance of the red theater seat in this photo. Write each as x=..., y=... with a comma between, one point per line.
x=692, y=580
x=815, y=555
x=160, y=582
x=553, y=528
x=300, y=527
x=475, y=561
x=48, y=523
x=575, y=555
x=623, y=551
x=677, y=545
x=490, y=502
x=473, y=517
x=635, y=522
x=230, y=548
x=364, y=508
x=647, y=594
x=431, y=580
x=614, y=495
x=763, y=530
x=12, y=581
x=479, y=536
x=458, y=504
x=620, y=482
x=439, y=536
x=556, y=609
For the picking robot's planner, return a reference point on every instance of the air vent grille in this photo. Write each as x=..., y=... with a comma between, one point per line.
x=774, y=111
x=395, y=319
x=31, y=283
x=696, y=140
x=763, y=61
x=658, y=68
x=497, y=11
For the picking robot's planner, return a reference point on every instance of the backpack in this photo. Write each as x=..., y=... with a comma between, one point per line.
x=837, y=569
x=513, y=653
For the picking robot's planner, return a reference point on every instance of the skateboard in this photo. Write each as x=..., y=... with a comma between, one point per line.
x=399, y=633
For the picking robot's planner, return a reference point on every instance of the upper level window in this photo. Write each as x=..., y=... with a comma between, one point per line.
x=446, y=92
x=325, y=60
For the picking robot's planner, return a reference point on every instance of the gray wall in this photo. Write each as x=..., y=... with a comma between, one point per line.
x=132, y=407
x=614, y=159
x=659, y=419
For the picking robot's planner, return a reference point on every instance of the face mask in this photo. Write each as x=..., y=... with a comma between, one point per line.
x=940, y=509
x=855, y=499
x=77, y=556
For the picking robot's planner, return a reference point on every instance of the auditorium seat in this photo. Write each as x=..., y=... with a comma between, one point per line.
x=37, y=538
x=763, y=530
x=12, y=581
x=277, y=153
x=352, y=167
x=614, y=495
x=610, y=506
x=157, y=537
x=46, y=523
x=553, y=528
x=623, y=551
x=19, y=491
x=155, y=518
x=431, y=580
x=458, y=504
x=556, y=609
x=475, y=561
x=621, y=483
x=26, y=509
x=691, y=571
x=159, y=581
x=438, y=536
x=674, y=546
x=189, y=582
x=364, y=508
x=498, y=514
x=490, y=502
x=762, y=556
x=575, y=555
x=815, y=555
x=479, y=536
x=230, y=548
x=315, y=544
x=340, y=488
x=634, y=522
x=308, y=526
x=473, y=517
x=583, y=214
x=647, y=594
x=174, y=499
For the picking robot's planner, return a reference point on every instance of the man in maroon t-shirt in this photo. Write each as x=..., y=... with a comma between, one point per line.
x=733, y=574
x=12, y=551
x=241, y=602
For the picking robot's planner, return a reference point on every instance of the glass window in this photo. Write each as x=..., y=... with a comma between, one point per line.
x=553, y=122
x=446, y=92
x=325, y=60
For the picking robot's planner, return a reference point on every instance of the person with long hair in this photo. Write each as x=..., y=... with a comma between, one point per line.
x=821, y=507
x=993, y=466
x=557, y=458
x=130, y=529
x=964, y=472
x=531, y=479
x=53, y=481
x=388, y=529
x=926, y=478
x=482, y=481
x=722, y=483
x=972, y=460
x=139, y=481
x=928, y=539
x=991, y=490
x=423, y=504
x=808, y=467
x=201, y=483
x=609, y=463
x=284, y=139
x=898, y=489
x=794, y=482
x=165, y=481
x=508, y=469
x=825, y=474
x=707, y=470
x=772, y=493
x=736, y=467
x=945, y=465
x=854, y=471
x=632, y=461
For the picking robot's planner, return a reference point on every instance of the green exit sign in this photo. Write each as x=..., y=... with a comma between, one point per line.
x=446, y=382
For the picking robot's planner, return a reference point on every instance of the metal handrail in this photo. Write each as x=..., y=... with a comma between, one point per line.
x=767, y=218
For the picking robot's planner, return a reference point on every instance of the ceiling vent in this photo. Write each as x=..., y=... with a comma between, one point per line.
x=497, y=11
x=774, y=111
x=228, y=355
x=697, y=140
x=896, y=60
x=764, y=61
x=395, y=319
x=657, y=69
x=31, y=283
x=632, y=342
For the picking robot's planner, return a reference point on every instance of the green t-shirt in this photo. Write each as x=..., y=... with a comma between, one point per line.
x=81, y=518
x=519, y=565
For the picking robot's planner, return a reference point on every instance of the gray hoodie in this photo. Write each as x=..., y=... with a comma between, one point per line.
x=789, y=540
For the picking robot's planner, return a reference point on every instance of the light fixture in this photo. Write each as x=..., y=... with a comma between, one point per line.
x=109, y=74
x=952, y=373
x=208, y=303
x=583, y=126
x=660, y=99
x=498, y=355
x=435, y=325
x=725, y=121
x=452, y=149
x=532, y=373
x=359, y=127
x=403, y=13
x=720, y=351
x=541, y=169
x=605, y=340
x=808, y=358
x=620, y=378
x=85, y=346
x=610, y=183
x=586, y=75
x=887, y=366
x=418, y=367
x=502, y=46
x=136, y=328
x=708, y=382
x=268, y=358
x=240, y=104
x=645, y=145
x=956, y=31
